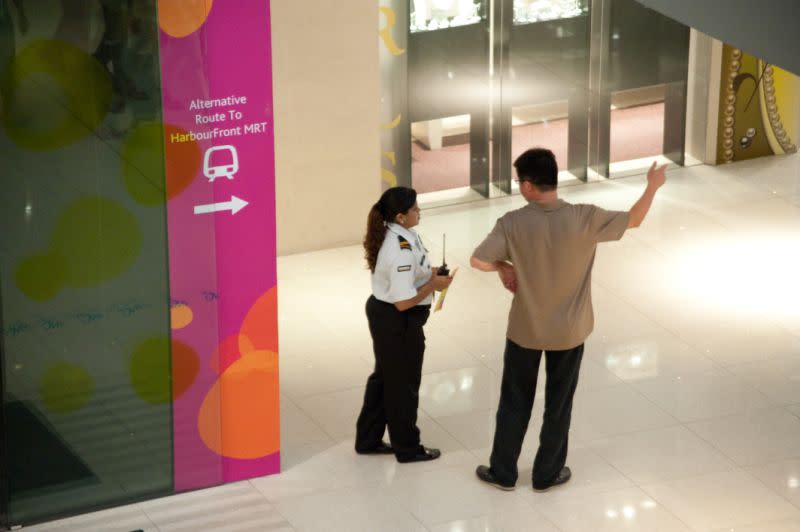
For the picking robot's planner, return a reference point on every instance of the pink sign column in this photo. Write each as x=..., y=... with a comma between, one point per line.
x=218, y=129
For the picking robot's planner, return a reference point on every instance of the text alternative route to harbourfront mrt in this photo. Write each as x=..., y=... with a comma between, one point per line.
x=218, y=111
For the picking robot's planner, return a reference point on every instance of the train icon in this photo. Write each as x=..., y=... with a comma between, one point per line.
x=220, y=161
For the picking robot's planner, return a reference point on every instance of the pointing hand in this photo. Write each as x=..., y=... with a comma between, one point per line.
x=657, y=176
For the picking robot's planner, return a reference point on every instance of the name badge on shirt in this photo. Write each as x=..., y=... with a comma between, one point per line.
x=404, y=268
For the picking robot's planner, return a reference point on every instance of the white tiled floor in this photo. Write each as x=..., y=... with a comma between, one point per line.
x=687, y=416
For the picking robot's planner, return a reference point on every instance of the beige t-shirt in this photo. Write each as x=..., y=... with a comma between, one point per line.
x=552, y=247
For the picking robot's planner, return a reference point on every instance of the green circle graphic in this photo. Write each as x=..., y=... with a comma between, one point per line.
x=55, y=93
x=41, y=276
x=150, y=370
x=66, y=387
x=143, y=164
x=99, y=238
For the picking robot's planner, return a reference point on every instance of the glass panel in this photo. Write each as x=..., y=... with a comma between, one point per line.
x=544, y=80
x=546, y=125
x=648, y=59
x=431, y=15
x=83, y=262
x=528, y=11
x=440, y=154
x=196, y=338
x=637, y=126
x=448, y=98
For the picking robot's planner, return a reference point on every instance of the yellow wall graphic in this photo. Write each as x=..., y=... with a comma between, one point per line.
x=759, y=110
x=392, y=37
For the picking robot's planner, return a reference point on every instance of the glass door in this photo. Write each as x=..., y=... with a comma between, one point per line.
x=543, y=65
x=448, y=99
x=602, y=83
x=639, y=89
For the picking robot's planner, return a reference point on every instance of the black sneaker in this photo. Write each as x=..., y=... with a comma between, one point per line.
x=423, y=454
x=563, y=477
x=381, y=448
x=486, y=475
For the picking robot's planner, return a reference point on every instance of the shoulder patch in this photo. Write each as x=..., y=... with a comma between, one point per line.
x=404, y=244
x=406, y=268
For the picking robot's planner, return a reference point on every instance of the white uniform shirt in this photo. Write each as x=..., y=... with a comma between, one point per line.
x=401, y=267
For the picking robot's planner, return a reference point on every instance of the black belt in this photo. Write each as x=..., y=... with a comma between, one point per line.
x=415, y=307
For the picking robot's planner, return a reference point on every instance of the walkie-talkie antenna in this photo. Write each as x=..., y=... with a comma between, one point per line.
x=443, y=270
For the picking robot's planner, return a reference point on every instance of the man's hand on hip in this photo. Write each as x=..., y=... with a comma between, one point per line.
x=508, y=276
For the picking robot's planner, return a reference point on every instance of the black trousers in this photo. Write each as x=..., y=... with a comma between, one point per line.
x=392, y=395
x=520, y=369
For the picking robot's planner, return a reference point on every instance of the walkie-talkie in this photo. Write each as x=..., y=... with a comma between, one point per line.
x=443, y=270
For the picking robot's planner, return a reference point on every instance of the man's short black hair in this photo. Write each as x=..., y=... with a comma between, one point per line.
x=538, y=165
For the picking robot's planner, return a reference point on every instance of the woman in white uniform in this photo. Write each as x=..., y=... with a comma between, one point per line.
x=403, y=283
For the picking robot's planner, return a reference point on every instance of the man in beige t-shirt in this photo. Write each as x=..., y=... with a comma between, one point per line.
x=544, y=253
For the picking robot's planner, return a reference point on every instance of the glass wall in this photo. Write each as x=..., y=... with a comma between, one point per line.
x=600, y=82
x=83, y=258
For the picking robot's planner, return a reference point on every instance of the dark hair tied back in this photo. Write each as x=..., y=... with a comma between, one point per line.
x=396, y=200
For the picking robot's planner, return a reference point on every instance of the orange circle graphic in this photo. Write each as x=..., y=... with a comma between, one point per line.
x=179, y=18
x=260, y=325
x=229, y=351
x=185, y=367
x=180, y=316
x=183, y=160
x=240, y=416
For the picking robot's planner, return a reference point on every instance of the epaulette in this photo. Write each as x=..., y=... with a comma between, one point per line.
x=404, y=244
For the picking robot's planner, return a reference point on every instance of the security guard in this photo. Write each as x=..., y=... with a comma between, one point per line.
x=403, y=283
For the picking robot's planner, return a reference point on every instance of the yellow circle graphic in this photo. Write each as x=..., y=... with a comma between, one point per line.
x=66, y=387
x=55, y=94
x=99, y=238
x=150, y=370
x=143, y=164
x=94, y=240
x=41, y=276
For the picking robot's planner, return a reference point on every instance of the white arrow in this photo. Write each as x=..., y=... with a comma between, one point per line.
x=234, y=205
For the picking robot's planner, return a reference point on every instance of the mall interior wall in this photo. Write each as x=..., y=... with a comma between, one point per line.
x=327, y=103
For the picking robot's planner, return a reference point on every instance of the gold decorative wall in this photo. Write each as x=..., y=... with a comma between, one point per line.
x=759, y=111
x=395, y=128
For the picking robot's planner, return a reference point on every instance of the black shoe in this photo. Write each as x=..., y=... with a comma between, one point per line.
x=563, y=477
x=424, y=454
x=381, y=448
x=486, y=475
